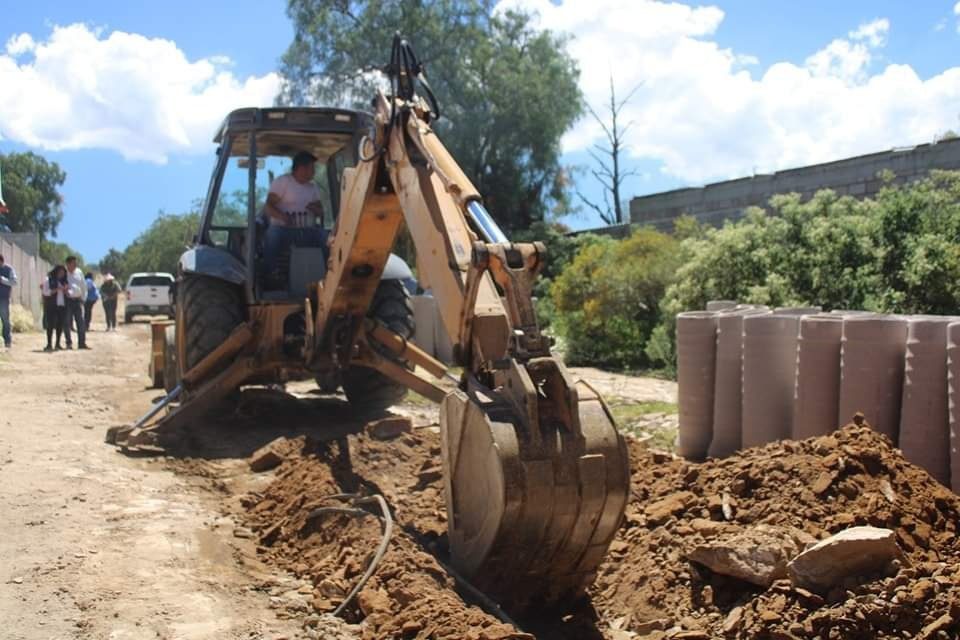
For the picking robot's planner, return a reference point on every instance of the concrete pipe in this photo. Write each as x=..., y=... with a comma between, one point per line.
x=852, y=312
x=924, y=421
x=871, y=370
x=769, y=370
x=796, y=311
x=726, y=390
x=721, y=305
x=816, y=395
x=696, y=362
x=953, y=397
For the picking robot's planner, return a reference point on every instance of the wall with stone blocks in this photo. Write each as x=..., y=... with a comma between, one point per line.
x=856, y=176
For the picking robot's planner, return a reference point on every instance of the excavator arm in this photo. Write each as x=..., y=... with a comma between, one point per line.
x=536, y=475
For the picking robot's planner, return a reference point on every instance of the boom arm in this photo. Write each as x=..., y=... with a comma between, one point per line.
x=536, y=476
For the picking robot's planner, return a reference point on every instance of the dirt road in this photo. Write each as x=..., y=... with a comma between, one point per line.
x=98, y=545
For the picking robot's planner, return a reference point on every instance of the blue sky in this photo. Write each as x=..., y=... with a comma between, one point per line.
x=126, y=96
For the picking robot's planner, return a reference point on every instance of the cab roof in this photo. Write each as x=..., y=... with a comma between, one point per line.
x=304, y=119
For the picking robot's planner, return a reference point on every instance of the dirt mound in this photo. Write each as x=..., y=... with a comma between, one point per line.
x=411, y=595
x=820, y=486
x=647, y=587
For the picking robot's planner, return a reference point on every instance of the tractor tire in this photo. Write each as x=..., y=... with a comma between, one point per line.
x=367, y=388
x=211, y=310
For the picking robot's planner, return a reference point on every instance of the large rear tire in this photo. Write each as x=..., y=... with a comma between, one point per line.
x=366, y=388
x=211, y=309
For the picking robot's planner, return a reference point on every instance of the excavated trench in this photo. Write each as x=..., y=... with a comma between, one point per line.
x=647, y=588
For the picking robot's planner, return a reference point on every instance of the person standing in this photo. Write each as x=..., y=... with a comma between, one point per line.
x=110, y=292
x=91, y=301
x=55, y=304
x=8, y=278
x=76, y=295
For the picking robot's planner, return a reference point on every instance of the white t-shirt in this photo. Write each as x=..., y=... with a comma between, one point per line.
x=294, y=198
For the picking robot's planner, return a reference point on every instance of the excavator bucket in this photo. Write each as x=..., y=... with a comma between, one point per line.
x=532, y=505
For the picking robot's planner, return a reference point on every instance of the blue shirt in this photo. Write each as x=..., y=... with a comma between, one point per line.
x=92, y=294
x=10, y=276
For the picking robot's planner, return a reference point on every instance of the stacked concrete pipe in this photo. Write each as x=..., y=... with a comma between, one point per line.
x=816, y=396
x=769, y=367
x=721, y=305
x=924, y=421
x=696, y=366
x=871, y=370
x=728, y=384
x=953, y=397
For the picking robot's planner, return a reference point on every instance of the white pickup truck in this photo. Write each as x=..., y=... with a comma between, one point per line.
x=149, y=294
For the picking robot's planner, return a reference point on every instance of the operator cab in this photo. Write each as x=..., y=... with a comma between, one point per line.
x=256, y=147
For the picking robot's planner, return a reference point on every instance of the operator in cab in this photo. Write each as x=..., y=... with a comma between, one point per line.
x=294, y=212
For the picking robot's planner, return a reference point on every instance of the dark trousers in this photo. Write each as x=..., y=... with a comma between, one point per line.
x=54, y=320
x=5, y=328
x=88, y=313
x=110, y=309
x=75, y=315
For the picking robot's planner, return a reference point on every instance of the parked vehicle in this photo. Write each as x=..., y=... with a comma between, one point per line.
x=149, y=294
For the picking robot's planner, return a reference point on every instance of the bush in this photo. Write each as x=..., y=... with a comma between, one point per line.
x=21, y=320
x=897, y=253
x=608, y=299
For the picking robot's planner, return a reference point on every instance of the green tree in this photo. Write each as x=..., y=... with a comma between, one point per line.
x=57, y=252
x=159, y=247
x=507, y=92
x=112, y=263
x=31, y=190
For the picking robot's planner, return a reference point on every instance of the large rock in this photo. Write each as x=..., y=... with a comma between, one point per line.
x=849, y=553
x=758, y=555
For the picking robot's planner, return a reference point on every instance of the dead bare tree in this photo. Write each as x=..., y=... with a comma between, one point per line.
x=607, y=157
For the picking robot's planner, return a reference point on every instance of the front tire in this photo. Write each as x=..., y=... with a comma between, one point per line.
x=210, y=309
x=367, y=388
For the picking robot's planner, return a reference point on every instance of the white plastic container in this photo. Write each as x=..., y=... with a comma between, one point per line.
x=816, y=395
x=696, y=362
x=769, y=369
x=728, y=384
x=871, y=371
x=924, y=420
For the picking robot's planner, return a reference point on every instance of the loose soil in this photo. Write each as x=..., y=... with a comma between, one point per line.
x=646, y=588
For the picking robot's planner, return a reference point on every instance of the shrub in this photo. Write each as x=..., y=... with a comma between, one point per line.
x=21, y=320
x=608, y=299
x=896, y=253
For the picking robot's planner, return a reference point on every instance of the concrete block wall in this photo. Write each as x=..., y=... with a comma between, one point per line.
x=857, y=176
x=31, y=271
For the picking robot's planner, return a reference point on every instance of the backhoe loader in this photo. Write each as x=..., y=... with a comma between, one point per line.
x=535, y=474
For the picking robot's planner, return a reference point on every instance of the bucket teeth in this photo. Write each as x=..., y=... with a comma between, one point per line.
x=531, y=515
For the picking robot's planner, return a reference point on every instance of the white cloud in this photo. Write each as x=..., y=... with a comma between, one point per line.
x=142, y=97
x=956, y=12
x=20, y=44
x=706, y=117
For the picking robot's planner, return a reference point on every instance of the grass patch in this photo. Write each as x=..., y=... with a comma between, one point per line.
x=625, y=412
x=630, y=418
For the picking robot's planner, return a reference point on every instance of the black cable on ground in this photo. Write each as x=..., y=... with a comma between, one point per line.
x=356, y=500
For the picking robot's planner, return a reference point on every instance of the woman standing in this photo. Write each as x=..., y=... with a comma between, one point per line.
x=110, y=292
x=55, y=304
